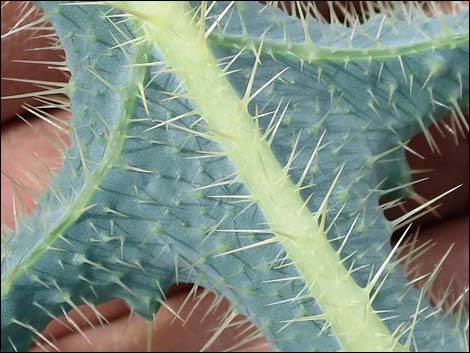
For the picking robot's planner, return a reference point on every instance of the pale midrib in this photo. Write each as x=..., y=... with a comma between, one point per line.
x=309, y=52
x=346, y=306
x=81, y=202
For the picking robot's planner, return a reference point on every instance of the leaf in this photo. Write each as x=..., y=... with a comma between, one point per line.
x=177, y=170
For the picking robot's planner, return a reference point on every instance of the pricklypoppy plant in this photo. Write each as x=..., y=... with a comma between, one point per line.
x=236, y=147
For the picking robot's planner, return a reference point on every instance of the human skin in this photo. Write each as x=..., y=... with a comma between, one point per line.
x=35, y=147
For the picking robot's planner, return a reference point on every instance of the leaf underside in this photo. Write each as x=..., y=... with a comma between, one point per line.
x=128, y=215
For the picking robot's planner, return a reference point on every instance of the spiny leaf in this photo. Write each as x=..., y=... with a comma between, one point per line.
x=239, y=148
